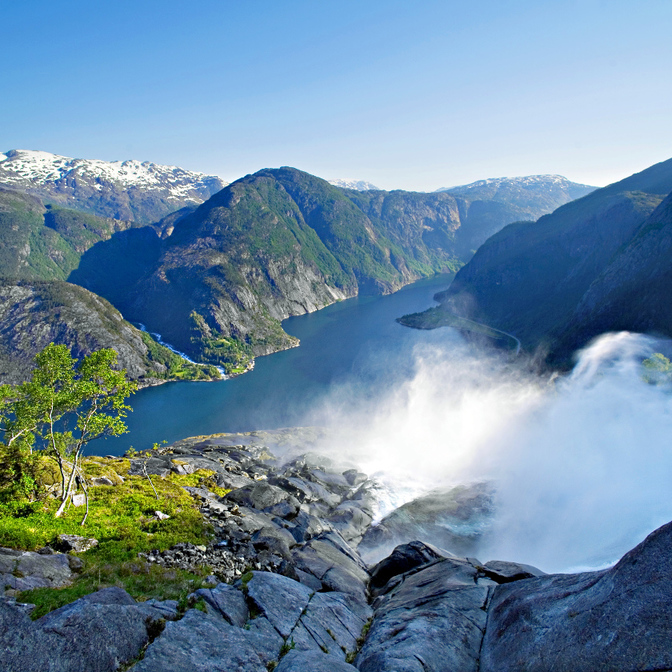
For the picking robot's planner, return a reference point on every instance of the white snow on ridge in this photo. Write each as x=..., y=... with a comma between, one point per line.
x=41, y=168
x=524, y=181
x=359, y=185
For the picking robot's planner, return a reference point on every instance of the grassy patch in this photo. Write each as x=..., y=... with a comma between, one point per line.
x=122, y=518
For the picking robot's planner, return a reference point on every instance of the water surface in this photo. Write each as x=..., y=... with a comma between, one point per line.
x=352, y=342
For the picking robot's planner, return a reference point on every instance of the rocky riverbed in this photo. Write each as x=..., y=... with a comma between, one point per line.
x=291, y=591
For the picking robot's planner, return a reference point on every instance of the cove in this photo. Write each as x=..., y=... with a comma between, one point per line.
x=356, y=342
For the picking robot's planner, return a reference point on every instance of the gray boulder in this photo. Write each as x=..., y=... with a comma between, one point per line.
x=226, y=601
x=330, y=560
x=312, y=661
x=25, y=570
x=260, y=496
x=201, y=643
x=403, y=559
x=280, y=599
x=432, y=621
x=618, y=619
x=505, y=572
x=98, y=633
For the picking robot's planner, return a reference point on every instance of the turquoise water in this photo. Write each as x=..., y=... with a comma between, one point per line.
x=355, y=345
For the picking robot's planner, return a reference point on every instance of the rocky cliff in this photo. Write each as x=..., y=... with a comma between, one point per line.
x=307, y=601
x=34, y=314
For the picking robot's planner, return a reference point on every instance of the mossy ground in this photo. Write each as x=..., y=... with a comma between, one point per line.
x=122, y=518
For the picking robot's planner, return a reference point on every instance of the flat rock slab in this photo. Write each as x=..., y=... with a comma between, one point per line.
x=310, y=661
x=330, y=560
x=82, y=636
x=201, y=643
x=280, y=599
x=25, y=570
x=618, y=619
x=331, y=623
x=433, y=621
x=227, y=602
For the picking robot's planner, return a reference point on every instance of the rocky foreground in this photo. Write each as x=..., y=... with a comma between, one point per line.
x=290, y=591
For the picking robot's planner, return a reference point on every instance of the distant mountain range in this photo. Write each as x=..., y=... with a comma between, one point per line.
x=216, y=279
x=599, y=263
x=127, y=190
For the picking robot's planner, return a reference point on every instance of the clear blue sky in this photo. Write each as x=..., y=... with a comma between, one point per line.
x=414, y=95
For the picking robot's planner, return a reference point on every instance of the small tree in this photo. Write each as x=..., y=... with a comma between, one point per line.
x=65, y=405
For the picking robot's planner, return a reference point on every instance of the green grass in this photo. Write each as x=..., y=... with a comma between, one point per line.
x=122, y=518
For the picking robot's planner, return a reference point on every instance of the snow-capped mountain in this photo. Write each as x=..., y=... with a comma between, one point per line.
x=130, y=190
x=358, y=185
x=491, y=186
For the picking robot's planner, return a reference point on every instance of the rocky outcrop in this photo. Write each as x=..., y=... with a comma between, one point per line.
x=294, y=594
x=25, y=570
x=618, y=619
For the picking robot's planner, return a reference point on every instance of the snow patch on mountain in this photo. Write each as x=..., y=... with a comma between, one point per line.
x=24, y=168
x=358, y=185
x=525, y=181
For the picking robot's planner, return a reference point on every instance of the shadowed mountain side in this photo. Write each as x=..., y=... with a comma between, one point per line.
x=633, y=292
x=34, y=314
x=529, y=278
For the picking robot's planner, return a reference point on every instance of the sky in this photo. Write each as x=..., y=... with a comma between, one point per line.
x=406, y=95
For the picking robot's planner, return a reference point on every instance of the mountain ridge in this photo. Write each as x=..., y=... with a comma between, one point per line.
x=143, y=192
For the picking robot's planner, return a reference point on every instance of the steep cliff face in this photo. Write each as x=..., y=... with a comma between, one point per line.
x=530, y=277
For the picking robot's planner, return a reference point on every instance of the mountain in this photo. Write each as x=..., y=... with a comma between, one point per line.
x=218, y=280
x=531, y=278
x=633, y=291
x=126, y=190
x=357, y=185
x=498, y=201
x=34, y=314
x=273, y=244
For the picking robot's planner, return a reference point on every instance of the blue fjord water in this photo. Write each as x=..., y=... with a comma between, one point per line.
x=355, y=342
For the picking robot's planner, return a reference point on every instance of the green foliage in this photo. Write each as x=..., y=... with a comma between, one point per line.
x=286, y=647
x=231, y=353
x=176, y=367
x=657, y=369
x=64, y=405
x=122, y=519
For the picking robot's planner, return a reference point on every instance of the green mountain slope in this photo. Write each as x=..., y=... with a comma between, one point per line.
x=45, y=243
x=281, y=242
x=529, y=278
